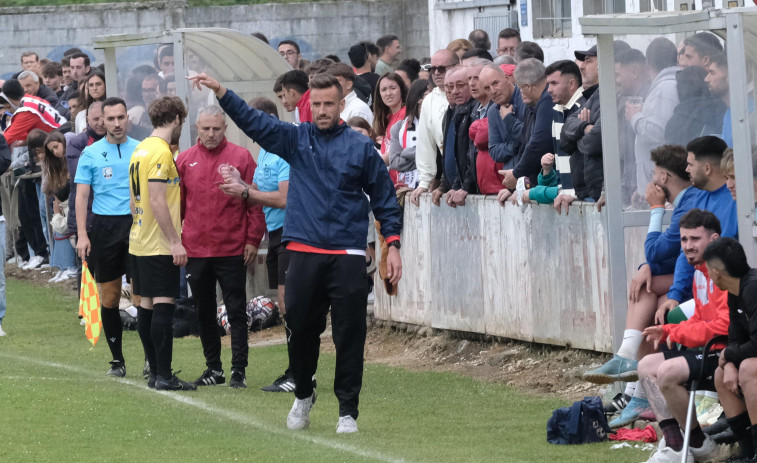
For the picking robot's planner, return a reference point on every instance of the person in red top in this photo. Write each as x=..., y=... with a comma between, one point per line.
x=665, y=375
x=297, y=94
x=221, y=236
x=29, y=113
x=487, y=171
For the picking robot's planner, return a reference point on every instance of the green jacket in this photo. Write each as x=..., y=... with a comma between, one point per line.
x=547, y=189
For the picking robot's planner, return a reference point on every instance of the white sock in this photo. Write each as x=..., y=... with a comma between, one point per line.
x=630, y=345
x=711, y=394
x=640, y=393
x=630, y=389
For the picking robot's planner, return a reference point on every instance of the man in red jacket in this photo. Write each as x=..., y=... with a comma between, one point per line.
x=665, y=375
x=29, y=112
x=221, y=235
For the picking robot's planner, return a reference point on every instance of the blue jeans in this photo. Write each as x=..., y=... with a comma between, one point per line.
x=63, y=256
x=43, y=212
x=2, y=270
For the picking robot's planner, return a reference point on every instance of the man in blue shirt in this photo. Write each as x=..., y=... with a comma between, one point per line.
x=104, y=169
x=670, y=183
x=704, y=158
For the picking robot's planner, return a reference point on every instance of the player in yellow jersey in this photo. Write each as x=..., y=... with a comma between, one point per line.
x=155, y=238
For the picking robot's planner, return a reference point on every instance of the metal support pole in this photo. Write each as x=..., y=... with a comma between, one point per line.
x=742, y=146
x=613, y=177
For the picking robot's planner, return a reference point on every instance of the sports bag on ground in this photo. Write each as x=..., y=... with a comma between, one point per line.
x=582, y=423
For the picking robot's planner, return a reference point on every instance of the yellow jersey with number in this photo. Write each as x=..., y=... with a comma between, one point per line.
x=152, y=161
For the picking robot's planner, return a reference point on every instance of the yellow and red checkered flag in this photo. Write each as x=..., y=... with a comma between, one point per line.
x=89, y=305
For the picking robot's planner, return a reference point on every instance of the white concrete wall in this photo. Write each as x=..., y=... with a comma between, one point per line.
x=320, y=28
x=530, y=275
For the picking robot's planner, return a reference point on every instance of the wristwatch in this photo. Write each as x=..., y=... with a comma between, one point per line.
x=395, y=243
x=246, y=193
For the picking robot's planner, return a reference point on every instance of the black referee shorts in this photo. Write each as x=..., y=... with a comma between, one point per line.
x=109, y=240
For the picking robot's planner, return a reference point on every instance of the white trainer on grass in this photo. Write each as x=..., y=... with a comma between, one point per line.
x=299, y=416
x=346, y=425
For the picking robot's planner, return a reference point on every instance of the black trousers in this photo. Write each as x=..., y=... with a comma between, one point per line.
x=231, y=274
x=315, y=282
x=31, y=225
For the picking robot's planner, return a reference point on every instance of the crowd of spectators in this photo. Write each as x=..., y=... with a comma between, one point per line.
x=464, y=122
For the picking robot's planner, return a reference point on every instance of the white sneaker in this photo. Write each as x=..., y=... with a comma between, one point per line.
x=66, y=275
x=668, y=455
x=707, y=452
x=22, y=264
x=346, y=425
x=2, y=333
x=299, y=416
x=34, y=262
x=56, y=277
x=665, y=454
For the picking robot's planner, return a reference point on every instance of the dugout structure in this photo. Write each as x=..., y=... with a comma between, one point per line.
x=736, y=29
x=239, y=61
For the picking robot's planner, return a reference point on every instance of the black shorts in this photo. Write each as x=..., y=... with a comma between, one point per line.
x=277, y=260
x=694, y=360
x=109, y=240
x=155, y=276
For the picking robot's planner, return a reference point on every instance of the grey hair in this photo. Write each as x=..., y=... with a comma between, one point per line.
x=479, y=62
x=211, y=110
x=495, y=68
x=504, y=59
x=26, y=74
x=529, y=71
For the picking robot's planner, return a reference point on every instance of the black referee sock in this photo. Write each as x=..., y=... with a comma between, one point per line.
x=162, y=337
x=144, y=322
x=114, y=329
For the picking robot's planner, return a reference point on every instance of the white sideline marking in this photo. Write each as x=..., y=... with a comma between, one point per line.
x=228, y=414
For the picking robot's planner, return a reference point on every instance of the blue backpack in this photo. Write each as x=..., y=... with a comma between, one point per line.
x=582, y=423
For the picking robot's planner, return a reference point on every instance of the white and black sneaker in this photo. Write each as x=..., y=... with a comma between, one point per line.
x=283, y=383
x=617, y=404
x=211, y=378
x=238, y=379
x=117, y=369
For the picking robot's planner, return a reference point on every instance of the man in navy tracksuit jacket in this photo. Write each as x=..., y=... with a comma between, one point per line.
x=332, y=170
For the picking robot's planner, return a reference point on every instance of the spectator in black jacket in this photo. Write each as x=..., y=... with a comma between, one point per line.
x=456, y=144
x=736, y=375
x=698, y=112
x=582, y=137
x=536, y=138
x=32, y=85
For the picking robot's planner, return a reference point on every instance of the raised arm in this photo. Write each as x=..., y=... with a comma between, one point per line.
x=270, y=133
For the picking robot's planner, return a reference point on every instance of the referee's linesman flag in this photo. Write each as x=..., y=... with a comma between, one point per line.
x=89, y=305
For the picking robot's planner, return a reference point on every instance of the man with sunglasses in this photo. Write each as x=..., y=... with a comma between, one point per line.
x=429, y=131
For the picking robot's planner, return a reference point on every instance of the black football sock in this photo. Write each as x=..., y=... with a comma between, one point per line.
x=162, y=337
x=113, y=328
x=144, y=322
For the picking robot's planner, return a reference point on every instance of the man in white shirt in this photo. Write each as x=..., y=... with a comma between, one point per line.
x=353, y=106
x=429, y=131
